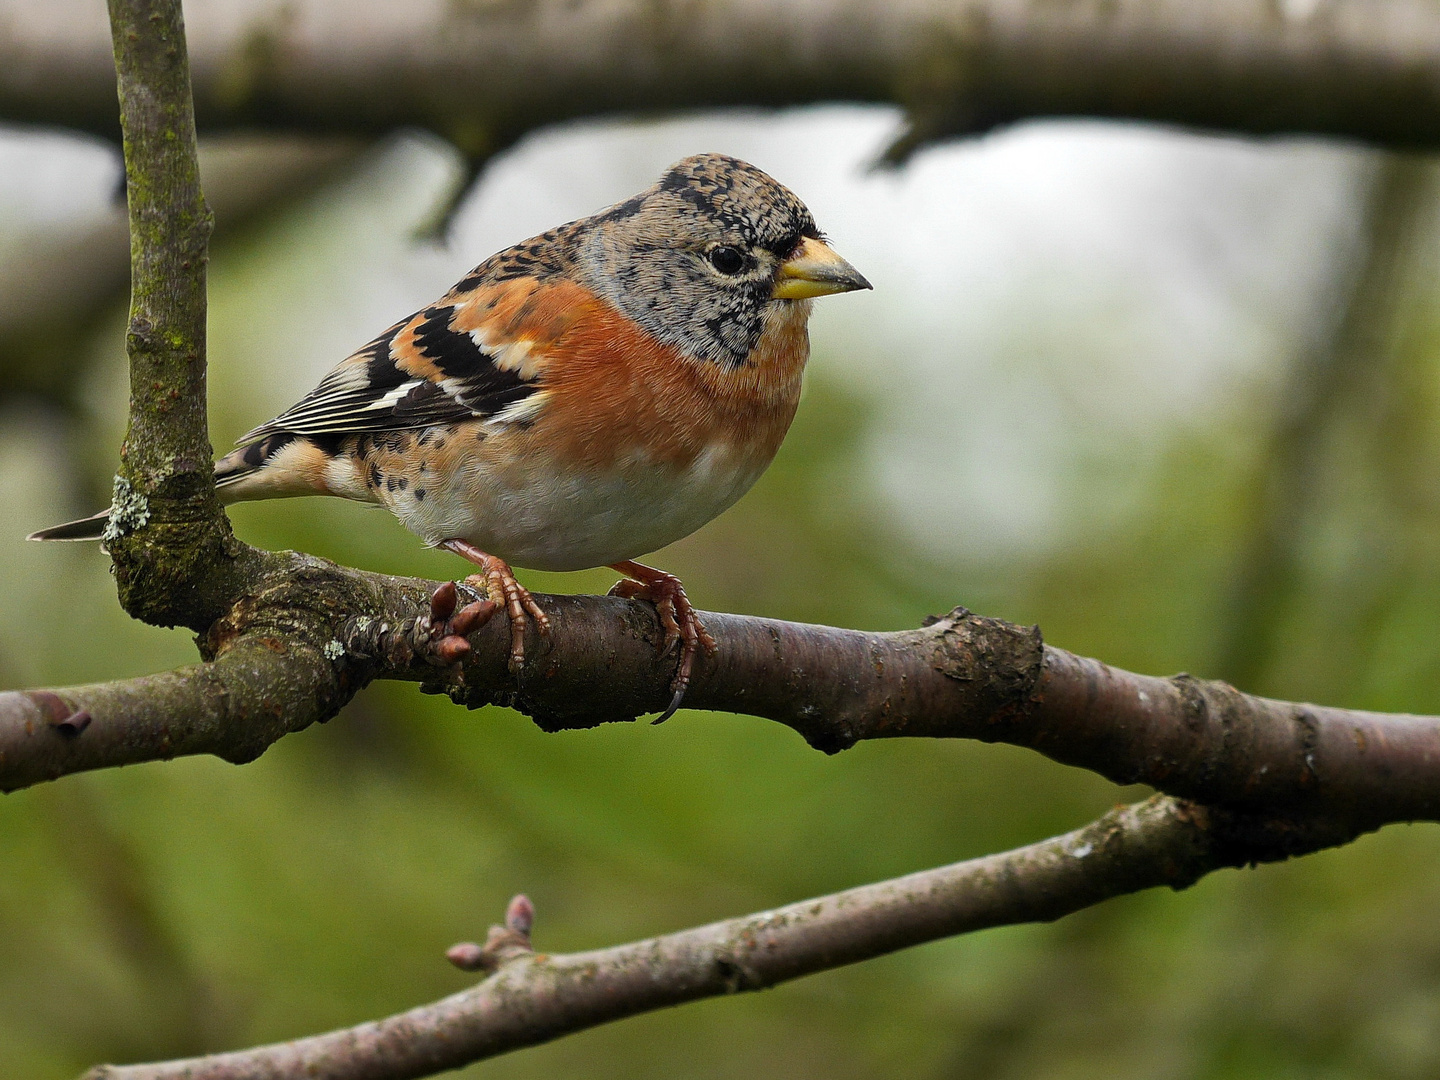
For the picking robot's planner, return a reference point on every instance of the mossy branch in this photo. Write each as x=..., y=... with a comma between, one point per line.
x=323, y=631
x=170, y=540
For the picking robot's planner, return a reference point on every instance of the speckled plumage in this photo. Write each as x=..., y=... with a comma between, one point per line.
x=581, y=398
x=673, y=388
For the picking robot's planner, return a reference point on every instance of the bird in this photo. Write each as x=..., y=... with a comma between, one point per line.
x=577, y=400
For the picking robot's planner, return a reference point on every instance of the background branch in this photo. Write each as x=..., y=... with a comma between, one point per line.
x=79, y=272
x=535, y=997
x=482, y=75
x=1322, y=389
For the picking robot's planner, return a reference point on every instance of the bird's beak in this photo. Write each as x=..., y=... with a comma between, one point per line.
x=815, y=270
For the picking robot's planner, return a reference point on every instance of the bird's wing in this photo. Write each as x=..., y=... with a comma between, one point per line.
x=479, y=352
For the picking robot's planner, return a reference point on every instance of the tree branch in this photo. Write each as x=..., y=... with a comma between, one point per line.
x=534, y=997
x=481, y=75
x=174, y=554
x=1320, y=391
x=169, y=237
x=318, y=632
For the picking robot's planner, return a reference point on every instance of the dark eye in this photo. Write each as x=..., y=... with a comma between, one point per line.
x=727, y=260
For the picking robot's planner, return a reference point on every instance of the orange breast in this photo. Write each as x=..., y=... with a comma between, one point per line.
x=615, y=392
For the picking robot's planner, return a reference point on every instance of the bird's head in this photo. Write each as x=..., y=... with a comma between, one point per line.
x=699, y=258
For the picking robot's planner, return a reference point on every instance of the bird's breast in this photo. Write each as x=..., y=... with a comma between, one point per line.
x=633, y=447
x=532, y=510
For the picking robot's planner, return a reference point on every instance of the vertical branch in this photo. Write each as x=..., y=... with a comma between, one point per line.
x=167, y=533
x=169, y=241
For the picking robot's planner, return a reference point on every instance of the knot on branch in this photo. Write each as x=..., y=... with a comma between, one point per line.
x=59, y=713
x=1240, y=749
x=940, y=88
x=998, y=663
x=298, y=598
x=171, y=547
x=737, y=977
x=1249, y=838
x=1219, y=836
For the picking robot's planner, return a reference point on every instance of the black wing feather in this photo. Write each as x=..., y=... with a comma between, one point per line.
x=371, y=391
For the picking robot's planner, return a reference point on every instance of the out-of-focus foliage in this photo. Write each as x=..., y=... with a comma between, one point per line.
x=1057, y=407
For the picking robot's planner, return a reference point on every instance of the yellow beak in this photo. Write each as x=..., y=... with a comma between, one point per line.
x=815, y=270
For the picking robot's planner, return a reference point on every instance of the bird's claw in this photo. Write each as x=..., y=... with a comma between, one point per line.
x=497, y=580
x=679, y=622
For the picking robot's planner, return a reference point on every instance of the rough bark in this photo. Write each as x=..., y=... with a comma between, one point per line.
x=482, y=74
x=169, y=539
x=323, y=631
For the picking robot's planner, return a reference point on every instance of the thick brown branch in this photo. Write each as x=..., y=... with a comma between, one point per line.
x=484, y=74
x=276, y=670
x=964, y=676
x=971, y=677
x=535, y=998
x=234, y=708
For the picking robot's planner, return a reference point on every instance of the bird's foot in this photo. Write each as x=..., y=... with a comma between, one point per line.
x=682, y=626
x=448, y=630
x=499, y=584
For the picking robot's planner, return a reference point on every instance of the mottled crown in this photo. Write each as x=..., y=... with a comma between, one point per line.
x=739, y=196
x=653, y=256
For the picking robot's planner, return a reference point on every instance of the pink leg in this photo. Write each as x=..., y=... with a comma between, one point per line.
x=498, y=581
x=677, y=617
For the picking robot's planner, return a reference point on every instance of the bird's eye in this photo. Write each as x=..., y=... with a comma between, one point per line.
x=727, y=260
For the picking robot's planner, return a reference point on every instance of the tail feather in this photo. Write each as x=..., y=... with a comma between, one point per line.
x=235, y=467
x=88, y=528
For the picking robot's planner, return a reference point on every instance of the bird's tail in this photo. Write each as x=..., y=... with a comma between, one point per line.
x=229, y=470
x=88, y=528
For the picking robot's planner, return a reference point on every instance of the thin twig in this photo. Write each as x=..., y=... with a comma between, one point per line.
x=534, y=997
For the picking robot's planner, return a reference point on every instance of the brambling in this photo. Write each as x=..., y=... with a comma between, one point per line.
x=577, y=400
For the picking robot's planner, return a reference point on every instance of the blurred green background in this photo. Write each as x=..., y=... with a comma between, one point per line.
x=1176, y=399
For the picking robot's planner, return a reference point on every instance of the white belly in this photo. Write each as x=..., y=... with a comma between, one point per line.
x=532, y=515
